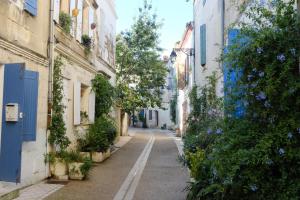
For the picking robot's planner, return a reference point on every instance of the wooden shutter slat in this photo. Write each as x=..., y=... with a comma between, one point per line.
x=91, y=114
x=203, y=44
x=31, y=6
x=30, y=105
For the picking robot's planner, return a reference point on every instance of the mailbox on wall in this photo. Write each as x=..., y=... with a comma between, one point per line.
x=12, y=112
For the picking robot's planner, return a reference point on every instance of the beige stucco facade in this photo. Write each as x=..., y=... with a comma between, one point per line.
x=209, y=14
x=24, y=38
x=22, y=42
x=184, y=65
x=79, y=67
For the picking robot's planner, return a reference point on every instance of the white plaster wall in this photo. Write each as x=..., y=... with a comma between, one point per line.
x=73, y=73
x=106, y=19
x=209, y=14
x=164, y=117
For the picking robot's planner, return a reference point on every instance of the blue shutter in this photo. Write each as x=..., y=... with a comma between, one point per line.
x=203, y=44
x=232, y=76
x=31, y=6
x=31, y=80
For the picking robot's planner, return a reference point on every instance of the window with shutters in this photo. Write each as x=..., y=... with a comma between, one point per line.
x=31, y=81
x=187, y=70
x=61, y=6
x=72, y=7
x=56, y=10
x=91, y=21
x=84, y=104
x=84, y=95
x=31, y=7
x=65, y=6
x=85, y=18
x=79, y=20
x=203, y=44
x=66, y=99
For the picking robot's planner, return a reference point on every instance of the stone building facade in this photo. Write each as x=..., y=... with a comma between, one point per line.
x=24, y=70
x=32, y=36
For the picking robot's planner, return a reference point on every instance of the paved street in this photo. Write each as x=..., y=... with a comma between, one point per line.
x=146, y=168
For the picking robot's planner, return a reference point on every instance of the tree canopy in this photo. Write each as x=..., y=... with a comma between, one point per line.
x=140, y=71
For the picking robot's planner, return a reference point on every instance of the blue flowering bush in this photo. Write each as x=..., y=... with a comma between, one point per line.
x=257, y=155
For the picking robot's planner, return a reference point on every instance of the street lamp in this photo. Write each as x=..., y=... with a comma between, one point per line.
x=186, y=51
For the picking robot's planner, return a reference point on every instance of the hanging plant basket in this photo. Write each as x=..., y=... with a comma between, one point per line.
x=75, y=12
x=93, y=26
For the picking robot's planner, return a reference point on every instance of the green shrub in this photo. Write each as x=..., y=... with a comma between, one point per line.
x=86, y=41
x=57, y=127
x=86, y=167
x=65, y=21
x=99, y=137
x=257, y=156
x=105, y=93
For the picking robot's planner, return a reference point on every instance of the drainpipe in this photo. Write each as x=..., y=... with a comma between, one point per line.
x=223, y=23
x=51, y=53
x=222, y=28
x=50, y=75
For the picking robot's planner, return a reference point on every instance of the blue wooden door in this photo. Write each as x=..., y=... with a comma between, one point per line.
x=11, y=133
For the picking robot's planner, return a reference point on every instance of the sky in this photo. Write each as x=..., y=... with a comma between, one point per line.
x=174, y=13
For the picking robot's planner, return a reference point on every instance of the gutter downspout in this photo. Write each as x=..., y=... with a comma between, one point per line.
x=51, y=53
x=50, y=76
x=223, y=23
x=222, y=31
x=194, y=45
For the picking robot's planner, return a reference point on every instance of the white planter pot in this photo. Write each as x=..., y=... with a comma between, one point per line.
x=74, y=171
x=98, y=157
x=86, y=155
x=107, y=154
x=59, y=169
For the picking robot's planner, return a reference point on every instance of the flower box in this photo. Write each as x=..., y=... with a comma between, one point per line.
x=107, y=154
x=86, y=155
x=75, y=172
x=99, y=157
x=59, y=169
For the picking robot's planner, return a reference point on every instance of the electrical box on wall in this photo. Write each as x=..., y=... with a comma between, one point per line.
x=12, y=112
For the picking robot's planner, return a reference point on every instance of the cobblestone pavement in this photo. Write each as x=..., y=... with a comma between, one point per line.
x=146, y=168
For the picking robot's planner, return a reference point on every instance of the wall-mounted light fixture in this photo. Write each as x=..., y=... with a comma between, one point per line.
x=187, y=51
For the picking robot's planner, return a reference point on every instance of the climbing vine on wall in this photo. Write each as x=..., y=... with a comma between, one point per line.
x=57, y=128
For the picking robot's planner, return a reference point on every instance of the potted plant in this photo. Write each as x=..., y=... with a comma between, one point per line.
x=78, y=166
x=65, y=21
x=100, y=136
x=83, y=147
x=58, y=164
x=86, y=41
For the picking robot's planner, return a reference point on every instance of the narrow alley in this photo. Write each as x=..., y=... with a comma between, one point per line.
x=147, y=167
